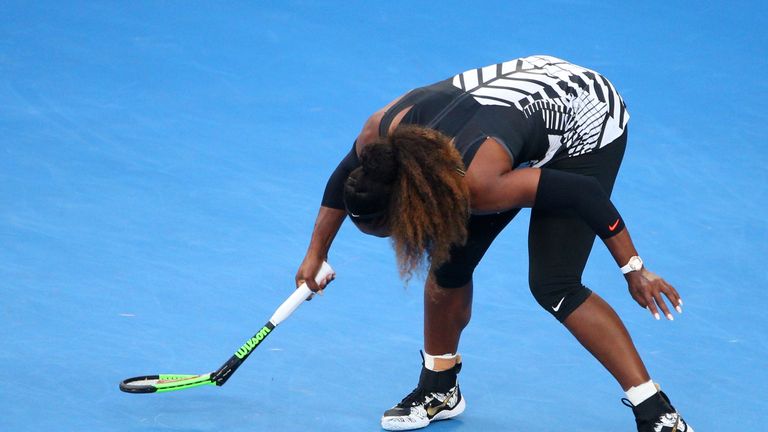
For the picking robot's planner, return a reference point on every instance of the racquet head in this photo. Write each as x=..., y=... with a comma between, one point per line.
x=164, y=383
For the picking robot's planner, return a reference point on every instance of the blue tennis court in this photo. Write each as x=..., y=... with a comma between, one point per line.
x=162, y=166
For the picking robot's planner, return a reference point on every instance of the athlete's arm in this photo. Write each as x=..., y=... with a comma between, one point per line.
x=550, y=190
x=586, y=196
x=332, y=212
x=329, y=220
x=327, y=224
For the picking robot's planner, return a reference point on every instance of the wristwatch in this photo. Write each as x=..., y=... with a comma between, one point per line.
x=635, y=263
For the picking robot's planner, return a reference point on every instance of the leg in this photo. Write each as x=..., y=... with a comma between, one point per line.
x=601, y=332
x=446, y=313
x=599, y=329
x=448, y=290
x=447, y=310
x=559, y=245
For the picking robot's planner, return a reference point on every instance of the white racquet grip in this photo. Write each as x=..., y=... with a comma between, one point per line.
x=299, y=296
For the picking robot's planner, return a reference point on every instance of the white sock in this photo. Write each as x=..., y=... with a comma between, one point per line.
x=638, y=394
x=429, y=360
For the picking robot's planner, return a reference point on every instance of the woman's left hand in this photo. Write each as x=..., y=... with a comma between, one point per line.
x=646, y=288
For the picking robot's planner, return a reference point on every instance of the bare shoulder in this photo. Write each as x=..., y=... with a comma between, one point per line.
x=370, y=131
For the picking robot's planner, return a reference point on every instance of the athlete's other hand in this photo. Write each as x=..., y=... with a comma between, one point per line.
x=307, y=271
x=646, y=288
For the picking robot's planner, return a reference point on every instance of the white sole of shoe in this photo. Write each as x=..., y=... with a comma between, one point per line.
x=391, y=424
x=446, y=414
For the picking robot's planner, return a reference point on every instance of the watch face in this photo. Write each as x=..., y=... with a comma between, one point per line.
x=635, y=263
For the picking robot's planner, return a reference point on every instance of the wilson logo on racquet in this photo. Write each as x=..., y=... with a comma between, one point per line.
x=252, y=343
x=158, y=383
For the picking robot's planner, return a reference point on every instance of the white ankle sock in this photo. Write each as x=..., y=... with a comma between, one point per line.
x=638, y=394
x=429, y=360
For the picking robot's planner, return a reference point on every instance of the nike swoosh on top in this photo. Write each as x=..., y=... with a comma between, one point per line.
x=615, y=224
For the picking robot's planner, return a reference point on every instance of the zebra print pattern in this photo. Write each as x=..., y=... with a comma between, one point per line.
x=580, y=107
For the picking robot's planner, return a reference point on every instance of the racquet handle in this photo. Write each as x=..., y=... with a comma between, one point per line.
x=299, y=296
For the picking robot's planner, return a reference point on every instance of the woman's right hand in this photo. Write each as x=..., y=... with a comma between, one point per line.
x=308, y=270
x=326, y=226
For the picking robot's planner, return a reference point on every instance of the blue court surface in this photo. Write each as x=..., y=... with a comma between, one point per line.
x=162, y=164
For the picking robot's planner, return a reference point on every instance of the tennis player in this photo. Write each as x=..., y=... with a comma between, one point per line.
x=445, y=167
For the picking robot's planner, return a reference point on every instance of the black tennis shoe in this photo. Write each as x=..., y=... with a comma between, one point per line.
x=436, y=397
x=656, y=414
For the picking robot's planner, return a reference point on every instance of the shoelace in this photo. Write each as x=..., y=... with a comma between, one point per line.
x=415, y=397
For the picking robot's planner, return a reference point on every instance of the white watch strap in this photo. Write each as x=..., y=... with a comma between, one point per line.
x=635, y=263
x=626, y=269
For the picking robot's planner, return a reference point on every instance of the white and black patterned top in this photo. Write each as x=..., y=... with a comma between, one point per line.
x=541, y=108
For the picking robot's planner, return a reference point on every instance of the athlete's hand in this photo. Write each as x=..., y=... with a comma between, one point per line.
x=307, y=271
x=646, y=288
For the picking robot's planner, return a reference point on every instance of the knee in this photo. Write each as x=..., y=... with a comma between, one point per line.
x=449, y=276
x=559, y=298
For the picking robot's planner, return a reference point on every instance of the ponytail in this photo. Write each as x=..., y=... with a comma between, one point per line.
x=412, y=181
x=430, y=200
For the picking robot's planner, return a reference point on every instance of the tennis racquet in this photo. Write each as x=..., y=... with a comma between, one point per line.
x=171, y=382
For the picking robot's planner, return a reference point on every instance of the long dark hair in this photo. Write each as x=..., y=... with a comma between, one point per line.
x=412, y=181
